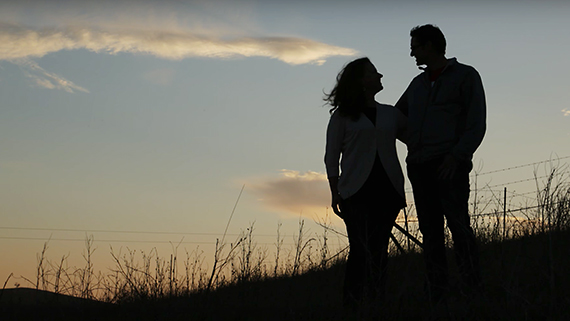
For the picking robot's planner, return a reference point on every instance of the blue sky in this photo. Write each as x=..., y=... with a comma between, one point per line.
x=151, y=116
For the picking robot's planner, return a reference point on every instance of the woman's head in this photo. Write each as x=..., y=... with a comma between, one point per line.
x=354, y=83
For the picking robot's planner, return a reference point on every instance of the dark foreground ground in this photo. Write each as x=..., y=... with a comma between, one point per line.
x=525, y=279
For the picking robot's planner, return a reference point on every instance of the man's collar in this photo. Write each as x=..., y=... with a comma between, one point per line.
x=450, y=62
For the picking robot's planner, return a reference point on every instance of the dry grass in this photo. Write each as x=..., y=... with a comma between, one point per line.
x=524, y=255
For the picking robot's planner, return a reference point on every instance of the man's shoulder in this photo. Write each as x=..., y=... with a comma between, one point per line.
x=384, y=106
x=417, y=80
x=419, y=76
x=461, y=67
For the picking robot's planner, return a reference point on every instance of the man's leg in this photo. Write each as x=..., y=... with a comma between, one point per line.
x=430, y=216
x=455, y=197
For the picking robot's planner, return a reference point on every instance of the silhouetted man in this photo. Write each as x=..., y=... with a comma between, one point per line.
x=446, y=113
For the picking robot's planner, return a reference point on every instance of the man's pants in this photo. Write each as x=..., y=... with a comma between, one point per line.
x=435, y=198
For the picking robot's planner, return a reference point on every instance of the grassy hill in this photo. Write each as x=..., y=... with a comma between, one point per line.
x=525, y=261
x=526, y=278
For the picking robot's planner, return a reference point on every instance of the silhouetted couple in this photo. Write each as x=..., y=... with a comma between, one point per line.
x=441, y=118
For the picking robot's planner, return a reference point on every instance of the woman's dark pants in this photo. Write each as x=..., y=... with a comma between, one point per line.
x=368, y=224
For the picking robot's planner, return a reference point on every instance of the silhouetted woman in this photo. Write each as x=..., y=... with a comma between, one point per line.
x=368, y=192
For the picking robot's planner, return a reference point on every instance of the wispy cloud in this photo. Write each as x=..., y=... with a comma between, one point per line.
x=566, y=111
x=17, y=42
x=295, y=192
x=46, y=79
x=163, y=76
x=20, y=45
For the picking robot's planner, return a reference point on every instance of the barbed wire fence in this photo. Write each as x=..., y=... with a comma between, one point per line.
x=510, y=208
x=407, y=218
x=501, y=208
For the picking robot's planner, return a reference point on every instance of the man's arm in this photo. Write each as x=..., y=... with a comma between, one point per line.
x=474, y=123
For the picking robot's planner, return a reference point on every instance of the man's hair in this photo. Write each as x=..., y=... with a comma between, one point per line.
x=432, y=34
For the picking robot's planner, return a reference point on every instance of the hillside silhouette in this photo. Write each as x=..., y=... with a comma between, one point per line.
x=525, y=279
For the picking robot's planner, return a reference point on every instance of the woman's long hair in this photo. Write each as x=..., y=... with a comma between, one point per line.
x=347, y=96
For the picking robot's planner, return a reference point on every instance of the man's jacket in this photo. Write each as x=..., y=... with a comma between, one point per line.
x=446, y=117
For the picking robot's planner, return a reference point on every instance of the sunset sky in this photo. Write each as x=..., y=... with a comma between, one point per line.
x=151, y=115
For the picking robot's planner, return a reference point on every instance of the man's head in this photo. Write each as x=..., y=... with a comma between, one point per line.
x=428, y=43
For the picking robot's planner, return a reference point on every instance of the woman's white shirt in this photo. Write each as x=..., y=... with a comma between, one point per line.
x=355, y=144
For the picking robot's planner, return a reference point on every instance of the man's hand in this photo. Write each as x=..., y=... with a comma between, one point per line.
x=447, y=169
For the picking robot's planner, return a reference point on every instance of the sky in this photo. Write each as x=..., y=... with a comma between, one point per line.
x=153, y=115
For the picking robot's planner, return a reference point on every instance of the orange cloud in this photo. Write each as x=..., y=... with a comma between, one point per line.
x=295, y=192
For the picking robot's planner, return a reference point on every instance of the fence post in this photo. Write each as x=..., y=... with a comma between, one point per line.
x=505, y=214
x=407, y=228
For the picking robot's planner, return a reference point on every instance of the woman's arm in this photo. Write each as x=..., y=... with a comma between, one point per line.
x=335, y=135
x=335, y=196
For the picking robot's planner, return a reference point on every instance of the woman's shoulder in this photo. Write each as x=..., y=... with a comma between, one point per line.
x=385, y=108
x=337, y=117
x=335, y=114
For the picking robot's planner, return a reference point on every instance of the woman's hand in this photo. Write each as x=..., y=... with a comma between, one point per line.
x=337, y=205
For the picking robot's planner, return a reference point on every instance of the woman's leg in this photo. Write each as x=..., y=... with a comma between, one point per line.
x=369, y=224
x=355, y=274
x=381, y=228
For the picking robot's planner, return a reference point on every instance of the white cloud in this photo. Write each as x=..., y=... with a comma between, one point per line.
x=295, y=192
x=17, y=42
x=566, y=111
x=20, y=45
x=46, y=79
